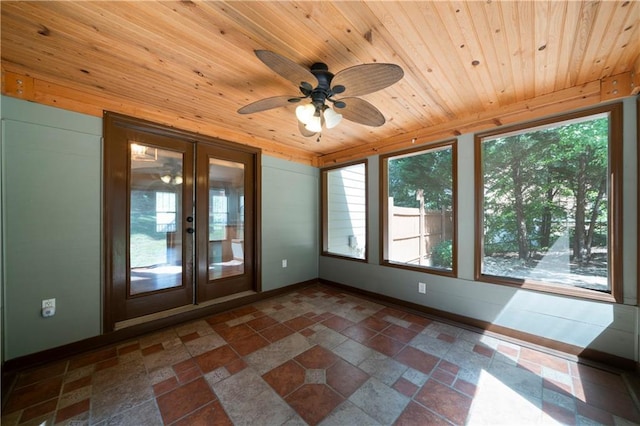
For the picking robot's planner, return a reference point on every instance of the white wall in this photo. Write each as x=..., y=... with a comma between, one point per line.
x=609, y=328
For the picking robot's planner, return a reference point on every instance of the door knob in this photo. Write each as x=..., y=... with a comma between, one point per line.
x=189, y=219
x=190, y=230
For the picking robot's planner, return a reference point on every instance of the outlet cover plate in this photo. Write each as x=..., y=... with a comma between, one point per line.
x=422, y=288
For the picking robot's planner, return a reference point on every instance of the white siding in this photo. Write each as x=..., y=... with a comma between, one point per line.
x=347, y=210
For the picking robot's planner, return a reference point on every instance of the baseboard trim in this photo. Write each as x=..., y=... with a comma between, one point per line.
x=575, y=353
x=93, y=343
x=568, y=351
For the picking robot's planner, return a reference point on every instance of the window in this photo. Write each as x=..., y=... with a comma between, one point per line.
x=344, y=212
x=549, y=205
x=165, y=212
x=218, y=215
x=418, y=208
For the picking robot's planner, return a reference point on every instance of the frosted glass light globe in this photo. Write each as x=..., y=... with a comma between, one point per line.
x=314, y=125
x=305, y=113
x=332, y=118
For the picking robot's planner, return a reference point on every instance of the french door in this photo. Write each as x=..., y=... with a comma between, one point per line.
x=180, y=219
x=226, y=216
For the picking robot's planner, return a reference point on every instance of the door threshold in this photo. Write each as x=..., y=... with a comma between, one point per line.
x=187, y=308
x=227, y=298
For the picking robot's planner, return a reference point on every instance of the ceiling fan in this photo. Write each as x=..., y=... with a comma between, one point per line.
x=320, y=86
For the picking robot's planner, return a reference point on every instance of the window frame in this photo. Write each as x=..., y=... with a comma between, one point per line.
x=324, y=215
x=384, y=220
x=637, y=201
x=166, y=194
x=614, y=205
x=213, y=213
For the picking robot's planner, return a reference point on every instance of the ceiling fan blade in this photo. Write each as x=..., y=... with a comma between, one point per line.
x=286, y=67
x=367, y=78
x=360, y=111
x=303, y=130
x=265, y=104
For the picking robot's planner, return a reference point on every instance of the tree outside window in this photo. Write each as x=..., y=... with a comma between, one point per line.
x=419, y=210
x=545, y=203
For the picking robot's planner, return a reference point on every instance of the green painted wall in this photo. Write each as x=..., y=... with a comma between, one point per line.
x=51, y=215
x=51, y=209
x=51, y=219
x=1, y=244
x=290, y=222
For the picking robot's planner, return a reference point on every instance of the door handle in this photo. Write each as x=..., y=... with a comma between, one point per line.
x=190, y=230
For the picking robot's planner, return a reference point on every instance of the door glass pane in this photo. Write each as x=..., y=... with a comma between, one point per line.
x=226, y=218
x=155, y=218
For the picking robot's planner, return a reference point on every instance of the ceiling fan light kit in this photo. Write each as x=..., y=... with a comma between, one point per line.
x=331, y=118
x=314, y=116
x=168, y=178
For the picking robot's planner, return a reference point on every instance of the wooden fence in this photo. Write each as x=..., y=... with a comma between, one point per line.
x=414, y=232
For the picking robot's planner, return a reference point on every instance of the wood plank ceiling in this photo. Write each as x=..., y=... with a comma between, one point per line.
x=190, y=64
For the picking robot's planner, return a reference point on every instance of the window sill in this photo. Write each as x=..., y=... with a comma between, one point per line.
x=556, y=289
x=344, y=257
x=425, y=269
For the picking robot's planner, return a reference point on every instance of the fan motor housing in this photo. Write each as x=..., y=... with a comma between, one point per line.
x=322, y=74
x=323, y=90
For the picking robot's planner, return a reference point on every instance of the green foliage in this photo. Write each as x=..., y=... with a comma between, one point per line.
x=147, y=251
x=143, y=217
x=148, y=247
x=534, y=181
x=442, y=254
x=431, y=171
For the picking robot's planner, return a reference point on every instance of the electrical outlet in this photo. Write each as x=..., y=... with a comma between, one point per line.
x=422, y=288
x=48, y=307
x=284, y=263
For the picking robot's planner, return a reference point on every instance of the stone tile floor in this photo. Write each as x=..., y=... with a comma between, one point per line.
x=318, y=356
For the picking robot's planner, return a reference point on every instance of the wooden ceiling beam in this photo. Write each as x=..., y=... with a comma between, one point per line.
x=635, y=77
x=23, y=86
x=617, y=86
x=564, y=100
x=44, y=92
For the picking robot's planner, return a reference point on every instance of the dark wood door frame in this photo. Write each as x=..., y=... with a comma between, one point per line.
x=115, y=177
x=207, y=288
